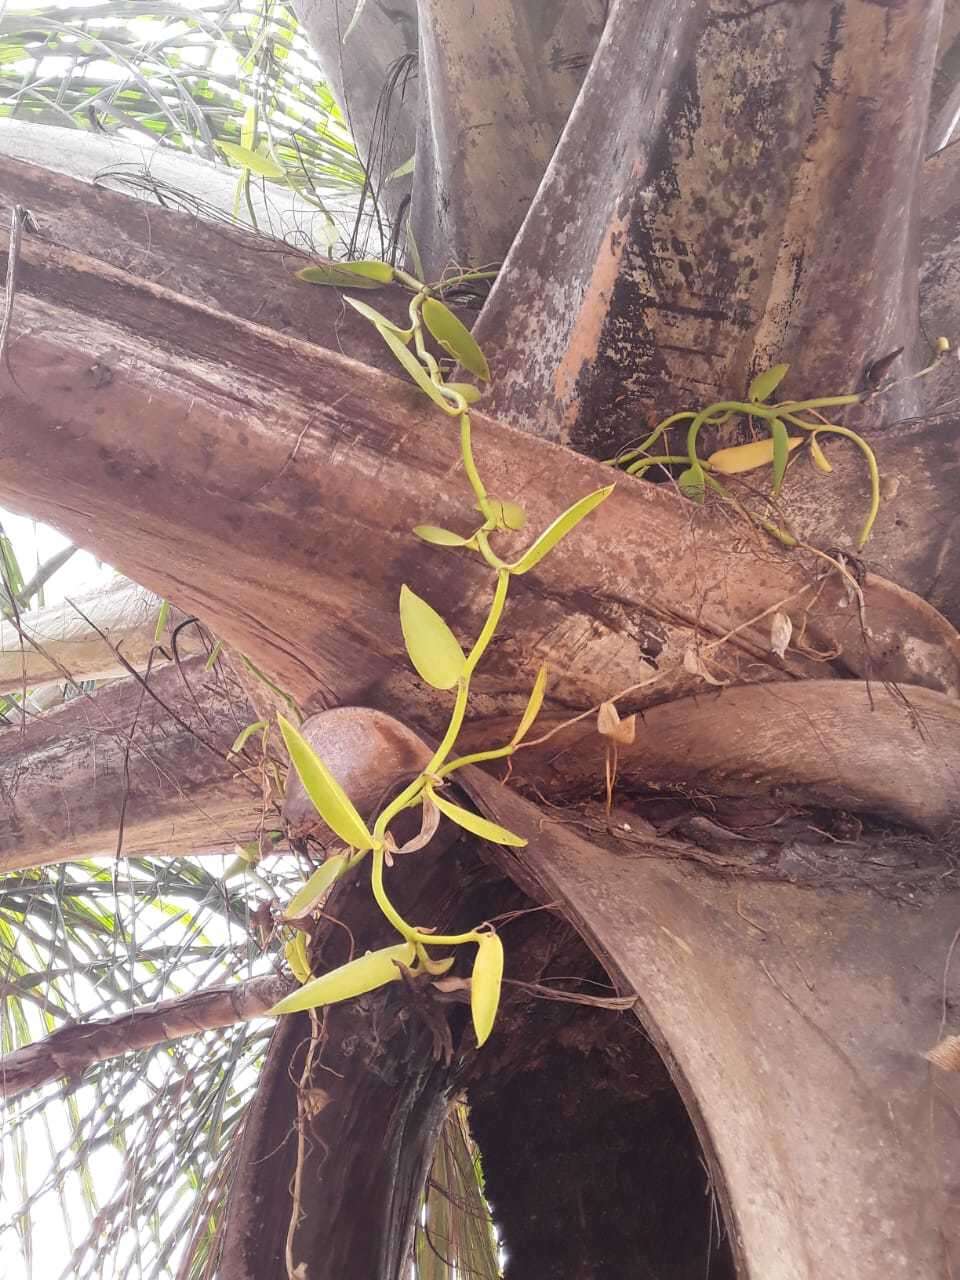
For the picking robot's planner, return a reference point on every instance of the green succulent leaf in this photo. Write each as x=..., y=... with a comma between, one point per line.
x=469, y=392
x=820, y=460
x=781, y=452
x=214, y=655
x=534, y=703
x=765, y=384
x=455, y=337
x=559, y=529
x=485, y=985
x=473, y=823
x=315, y=889
x=432, y=646
x=240, y=741
x=440, y=537
x=366, y=973
x=402, y=170
x=329, y=798
x=415, y=369
x=692, y=482
x=348, y=275
x=255, y=161
x=746, y=457
x=437, y=967
x=379, y=319
x=296, y=956
x=162, y=618
x=508, y=515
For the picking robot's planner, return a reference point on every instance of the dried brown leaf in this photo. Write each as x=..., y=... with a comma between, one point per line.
x=946, y=1054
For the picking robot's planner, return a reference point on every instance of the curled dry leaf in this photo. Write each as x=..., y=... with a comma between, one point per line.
x=695, y=665
x=611, y=726
x=429, y=821
x=946, y=1054
x=447, y=985
x=781, y=629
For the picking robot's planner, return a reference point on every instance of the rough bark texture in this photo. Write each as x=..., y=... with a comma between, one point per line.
x=753, y=203
x=309, y=467
x=940, y=246
x=62, y=641
x=116, y=759
x=777, y=1010
x=69, y=1051
x=793, y=1024
x=496, y=84
x=666, y=259
x=226, y=267
x=478, y=91
x=833, y=745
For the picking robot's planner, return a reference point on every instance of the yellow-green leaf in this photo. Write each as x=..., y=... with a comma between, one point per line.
x=765, y=384
x=214, y=655
x=415, y=369
x=781, y=452
x=432, y=646
x=469, y=392
x=329, y=798
x=819, y=457
x=369, y=269
x=437, y=967
x=402, y=170
x=348, y=275
x=691, y=482
x=240, y=741
x=473, y=823
x=248, y=853
x=485, y=985
x=162, y=617
x=379, y=319
x=455, y=337
x=296, y=956
x=440, y=537
x=255, y=161
x=508, y=515
x=314, y=890
x=248, y=130
x=559, y=529
x=534, y=703
x=366, y=973
x=747, y=457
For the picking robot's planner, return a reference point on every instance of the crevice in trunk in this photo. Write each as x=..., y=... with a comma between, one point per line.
x=590, y=1160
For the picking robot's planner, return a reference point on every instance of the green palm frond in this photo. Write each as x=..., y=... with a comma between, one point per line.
x=185, y=77
x=128, y=1158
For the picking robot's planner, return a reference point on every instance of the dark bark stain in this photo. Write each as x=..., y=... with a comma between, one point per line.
x=832, y=48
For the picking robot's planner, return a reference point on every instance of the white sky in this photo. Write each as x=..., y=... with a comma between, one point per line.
x=35, y=543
